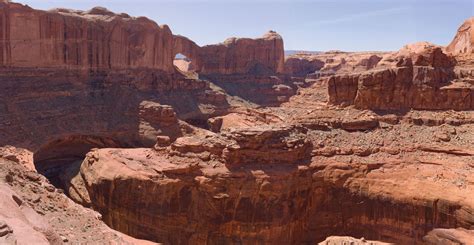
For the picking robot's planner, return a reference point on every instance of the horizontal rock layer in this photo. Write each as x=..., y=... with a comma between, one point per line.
x=97, y=39
x=419, y=76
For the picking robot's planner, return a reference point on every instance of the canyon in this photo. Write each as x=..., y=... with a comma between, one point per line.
x=107, y=135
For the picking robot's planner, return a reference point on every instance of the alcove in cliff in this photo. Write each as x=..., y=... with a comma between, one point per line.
x=60, y=159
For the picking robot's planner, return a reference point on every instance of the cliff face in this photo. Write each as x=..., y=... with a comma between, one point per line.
x=254, y=185
x=61, y=66
x=419, y=76
x=244, y=55
x=235, y=55
x=99, y=39
x=96, y=39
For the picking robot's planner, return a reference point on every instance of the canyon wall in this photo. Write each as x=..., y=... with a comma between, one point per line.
x=269, y=184
x=419, y=76
x=235, y=55
x=69, y=73
x=96, y=39
x=100, y=39
x=244, y=55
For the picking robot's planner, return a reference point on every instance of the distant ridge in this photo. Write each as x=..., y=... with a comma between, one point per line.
x=292, y=52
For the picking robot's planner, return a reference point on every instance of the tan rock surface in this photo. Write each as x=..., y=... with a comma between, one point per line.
x=462, y=43
x=335, y=240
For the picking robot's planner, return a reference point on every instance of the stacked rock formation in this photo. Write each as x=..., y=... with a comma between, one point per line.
x=419, y=76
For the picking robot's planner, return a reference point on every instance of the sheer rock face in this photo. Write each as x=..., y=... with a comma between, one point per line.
x=462, y=44
x=419, y=76
x=235, y=55
x=244, y=56
x=97, y=39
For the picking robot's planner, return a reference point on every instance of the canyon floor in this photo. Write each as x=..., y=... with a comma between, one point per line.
x=106, y=138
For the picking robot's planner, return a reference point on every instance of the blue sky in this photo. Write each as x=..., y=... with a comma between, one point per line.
x=350, y=25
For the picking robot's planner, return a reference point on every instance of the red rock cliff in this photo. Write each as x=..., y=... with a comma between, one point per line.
x=244, y=55
x=94, y=39
x=101, y=39
x=420, y=76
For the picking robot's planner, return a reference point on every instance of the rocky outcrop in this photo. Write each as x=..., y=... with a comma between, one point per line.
x=384, y=186
x=314, y=66
x=419, y=76
x=267, y=145
x=244, y=56
x=17, y=221
x=242, y=119
x=235, y=55
x=32, y=211
x=71, y=65
x=449, y=236
x=260, y=203
x=462, y=44
x=257, y=145
x=336, y=240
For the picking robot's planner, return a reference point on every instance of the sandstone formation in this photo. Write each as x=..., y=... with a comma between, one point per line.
x=392, y=185
x=243, y=55
x=32, y=211
x=96, y=39
x=334, y=240
x=462, y=43
x=329, y=63
x=245, y=148
x=184, y=46
x=450, y=236
x=235, y=55
x=419, y=76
